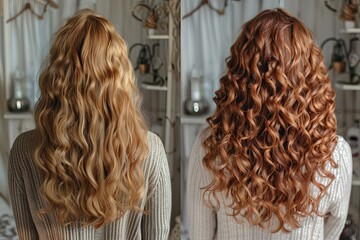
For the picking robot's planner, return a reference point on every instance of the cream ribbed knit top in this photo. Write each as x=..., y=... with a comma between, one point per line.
x=25, y=181
x=205, y=223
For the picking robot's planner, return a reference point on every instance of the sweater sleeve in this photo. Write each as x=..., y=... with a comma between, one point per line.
x=156, y=219
x=340, y=189
x=24, y=223
x=201, y=218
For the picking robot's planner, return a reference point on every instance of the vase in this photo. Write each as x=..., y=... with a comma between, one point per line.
x=196, y=107
x=339, y=67
x=196, y=104
x=144, y=68
x=349, y=24
x=18, y=102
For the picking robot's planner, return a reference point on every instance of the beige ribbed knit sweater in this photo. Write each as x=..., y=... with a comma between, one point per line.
x=204, y=223
x=25, y=181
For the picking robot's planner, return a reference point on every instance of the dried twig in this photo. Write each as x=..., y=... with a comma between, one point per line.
x=206, y=2
x=28, y=6
x=331, y=8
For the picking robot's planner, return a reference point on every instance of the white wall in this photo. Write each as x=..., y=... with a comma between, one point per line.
x=27, y=44
x=3, y=126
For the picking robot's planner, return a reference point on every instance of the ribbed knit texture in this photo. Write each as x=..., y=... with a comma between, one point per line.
x=25, y=181
x=205, y=223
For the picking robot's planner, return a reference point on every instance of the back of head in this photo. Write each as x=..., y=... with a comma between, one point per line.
x=92, y=131
x=274, y=128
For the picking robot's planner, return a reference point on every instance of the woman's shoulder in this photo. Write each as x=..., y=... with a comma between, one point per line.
x=21, y=153
x=156, y=163
x=201, y=136
x=343, y=158
x=156, y=152
x=197, y=151
x=341, y=143
x=342, y=151
x=25, y=141
x=155, y=145
x=153, y=140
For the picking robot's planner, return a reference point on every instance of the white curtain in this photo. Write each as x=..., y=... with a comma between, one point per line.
x=29, y=42
x=119, y=13
x=3, y=130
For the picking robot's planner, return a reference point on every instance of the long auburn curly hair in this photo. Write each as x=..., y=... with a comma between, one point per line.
x=93, y=135
x=274, y=128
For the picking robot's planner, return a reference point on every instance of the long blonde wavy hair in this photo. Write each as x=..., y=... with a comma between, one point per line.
x=93, y=135
x=274, y=129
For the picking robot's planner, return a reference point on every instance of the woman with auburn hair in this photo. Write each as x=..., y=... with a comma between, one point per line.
x=90, y=169
x=270, y=165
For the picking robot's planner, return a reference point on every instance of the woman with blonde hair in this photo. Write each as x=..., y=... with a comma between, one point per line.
x=270, y=165
x=90, y=169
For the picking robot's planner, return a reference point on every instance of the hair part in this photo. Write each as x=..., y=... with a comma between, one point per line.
x=93, y=135
x=274, y=128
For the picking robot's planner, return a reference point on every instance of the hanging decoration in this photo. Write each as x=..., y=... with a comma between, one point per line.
x=220, y=11
x=144, y=58
x=152, y=16
x=146, y=61
x=349, y=10
x=329, y=4
x=29, y=7
x=155, y=16
x=341, y=57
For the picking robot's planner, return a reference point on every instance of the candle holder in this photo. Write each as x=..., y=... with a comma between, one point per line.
x=18, y=102
x=196, y=104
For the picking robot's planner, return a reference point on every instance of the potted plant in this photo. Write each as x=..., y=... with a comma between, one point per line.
x=143, y=60
x=348, y=13
x=338, y=58
x=143, y=64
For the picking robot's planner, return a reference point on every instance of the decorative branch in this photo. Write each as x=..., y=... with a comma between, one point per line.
x=28, y=6
x=207, y=2
x=331, y=8
x=348, y=12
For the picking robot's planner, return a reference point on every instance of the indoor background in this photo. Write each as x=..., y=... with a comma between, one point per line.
x=200, y=33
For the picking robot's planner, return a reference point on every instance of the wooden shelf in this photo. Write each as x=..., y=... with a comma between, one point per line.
x=158, y=37
x=343, y=86
x=187, y=119
x=18, y=116
x=350, y=30
x=356, y=181
x=154, y=87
